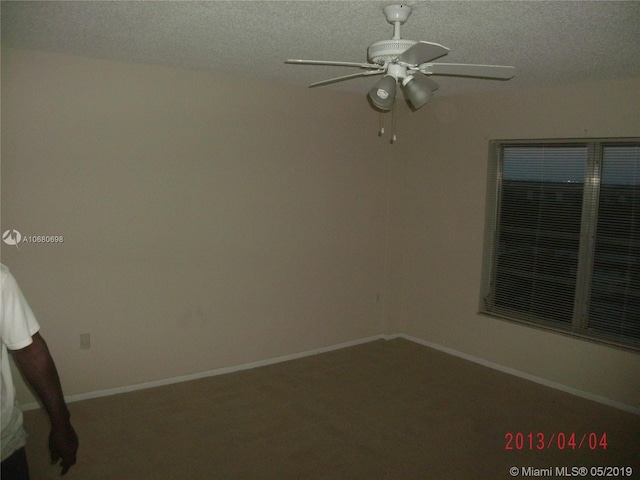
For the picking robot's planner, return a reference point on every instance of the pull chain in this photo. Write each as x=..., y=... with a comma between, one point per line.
x=381, y=131
x=393, y=124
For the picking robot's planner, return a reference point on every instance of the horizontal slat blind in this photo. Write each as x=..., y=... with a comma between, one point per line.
x=538, y=235
x=562, y=239
x=614, y=308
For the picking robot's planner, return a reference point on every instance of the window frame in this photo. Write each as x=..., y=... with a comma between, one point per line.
x=587, y=244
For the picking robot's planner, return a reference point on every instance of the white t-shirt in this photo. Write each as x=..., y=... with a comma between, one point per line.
x=17, y=326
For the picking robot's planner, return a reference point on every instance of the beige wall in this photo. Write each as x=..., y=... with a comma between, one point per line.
x=213, y=221
x=441, y=216
x=208, y=221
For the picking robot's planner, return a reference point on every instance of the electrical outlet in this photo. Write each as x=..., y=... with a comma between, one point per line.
x=85, y=341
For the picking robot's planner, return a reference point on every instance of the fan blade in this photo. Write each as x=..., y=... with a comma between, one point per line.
x=336, y=64
x=497, y=72
x=346, y=77
x=422, y=52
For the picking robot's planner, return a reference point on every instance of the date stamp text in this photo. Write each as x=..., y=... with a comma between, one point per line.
x=555, y=440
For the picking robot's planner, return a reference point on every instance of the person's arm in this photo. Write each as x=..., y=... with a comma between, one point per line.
x=40, y=372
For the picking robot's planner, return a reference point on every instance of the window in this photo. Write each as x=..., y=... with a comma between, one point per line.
x=562, y=243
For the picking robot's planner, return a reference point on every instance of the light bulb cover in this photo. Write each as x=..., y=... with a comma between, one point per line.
x=417, y=91
x=383, y=93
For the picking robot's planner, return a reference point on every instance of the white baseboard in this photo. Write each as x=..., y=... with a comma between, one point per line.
x=526, y=376
x=209, y=373
x=221, y=371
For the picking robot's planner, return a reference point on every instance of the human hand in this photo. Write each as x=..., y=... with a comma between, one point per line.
x=63, y=445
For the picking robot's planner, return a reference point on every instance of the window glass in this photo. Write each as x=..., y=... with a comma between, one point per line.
x=563, y=235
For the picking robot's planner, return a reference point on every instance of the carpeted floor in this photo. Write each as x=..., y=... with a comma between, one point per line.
x=382, y=410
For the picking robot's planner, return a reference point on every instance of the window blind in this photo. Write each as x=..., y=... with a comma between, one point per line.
x=614, y=306
x=539, y=231
x=562, y=240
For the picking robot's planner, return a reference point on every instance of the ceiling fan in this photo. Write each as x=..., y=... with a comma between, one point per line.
x=407, y=63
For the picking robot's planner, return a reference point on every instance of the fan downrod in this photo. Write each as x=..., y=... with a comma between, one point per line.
x=384, y=51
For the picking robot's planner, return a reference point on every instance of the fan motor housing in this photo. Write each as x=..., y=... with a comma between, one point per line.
x=386, y=50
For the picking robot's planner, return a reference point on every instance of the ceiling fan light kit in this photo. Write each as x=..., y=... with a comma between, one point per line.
x=416, y=92
x=406, y=63
x=383, y=93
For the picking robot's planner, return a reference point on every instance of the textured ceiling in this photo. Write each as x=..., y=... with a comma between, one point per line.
x=548, y=41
